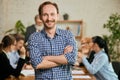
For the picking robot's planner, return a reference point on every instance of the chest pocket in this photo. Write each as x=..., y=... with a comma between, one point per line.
x=54, y=46
x=60, y=45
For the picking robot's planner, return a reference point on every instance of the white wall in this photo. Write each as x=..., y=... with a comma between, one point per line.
x=94, y=13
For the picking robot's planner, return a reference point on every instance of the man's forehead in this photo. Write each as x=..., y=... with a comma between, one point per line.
x=49, y=8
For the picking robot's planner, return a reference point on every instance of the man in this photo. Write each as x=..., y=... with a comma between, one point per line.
x=52, y=51
x=33, y=28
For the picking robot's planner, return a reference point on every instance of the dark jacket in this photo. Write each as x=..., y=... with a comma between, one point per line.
x=90, y=58
x=6, y=69
x=29, y=30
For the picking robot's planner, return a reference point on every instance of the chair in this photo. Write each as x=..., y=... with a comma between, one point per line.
x=119, y=75
x=116, y=67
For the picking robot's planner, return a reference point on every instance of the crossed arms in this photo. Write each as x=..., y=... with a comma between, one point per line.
x=53, y=61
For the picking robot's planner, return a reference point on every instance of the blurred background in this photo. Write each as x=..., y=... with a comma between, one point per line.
x=94, y=13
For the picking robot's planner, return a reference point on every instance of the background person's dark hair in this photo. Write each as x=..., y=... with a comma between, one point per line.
x=46, y=3
x=102, y=44
x=18, y=37
x=7, y=41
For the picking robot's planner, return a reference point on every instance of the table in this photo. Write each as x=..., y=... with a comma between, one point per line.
x=85, y=76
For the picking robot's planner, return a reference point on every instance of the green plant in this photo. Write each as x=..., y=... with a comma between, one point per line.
x=113, y=40
x=19, y=28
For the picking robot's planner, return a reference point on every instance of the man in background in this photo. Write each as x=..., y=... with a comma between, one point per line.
x=33, y=28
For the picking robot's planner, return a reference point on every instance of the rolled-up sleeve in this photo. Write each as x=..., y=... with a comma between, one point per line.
x=71, y=57
x=34, y=50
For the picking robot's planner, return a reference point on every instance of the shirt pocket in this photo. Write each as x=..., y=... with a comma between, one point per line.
x=60, y=45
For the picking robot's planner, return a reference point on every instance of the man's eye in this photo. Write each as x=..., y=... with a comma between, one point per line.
x=52, y=14
x=44, y=14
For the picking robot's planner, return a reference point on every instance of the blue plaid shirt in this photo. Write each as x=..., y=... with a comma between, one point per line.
x=41, y=45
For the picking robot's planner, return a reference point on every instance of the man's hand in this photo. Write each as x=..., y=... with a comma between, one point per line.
x=68, y=49
x=61, y=58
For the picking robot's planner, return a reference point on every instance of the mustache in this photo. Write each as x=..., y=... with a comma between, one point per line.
x=49, y=21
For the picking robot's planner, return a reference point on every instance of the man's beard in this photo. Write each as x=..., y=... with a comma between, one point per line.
x=47, y=21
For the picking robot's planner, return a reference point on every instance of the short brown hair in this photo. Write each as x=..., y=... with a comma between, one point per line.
x=36, y=16
x=46, y=3
x=18, y=37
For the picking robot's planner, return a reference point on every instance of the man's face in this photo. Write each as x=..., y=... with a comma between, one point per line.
x=49, y=16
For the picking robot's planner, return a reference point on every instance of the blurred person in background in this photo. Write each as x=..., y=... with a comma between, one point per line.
x=18, y=50
x=7, y=45
x=33, y=28
x=86, y=46
x=101, y=65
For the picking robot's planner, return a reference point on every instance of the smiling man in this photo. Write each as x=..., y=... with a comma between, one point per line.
x=52, y=51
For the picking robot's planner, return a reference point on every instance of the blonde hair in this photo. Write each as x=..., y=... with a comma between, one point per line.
x=85, y=44
x=86, y=40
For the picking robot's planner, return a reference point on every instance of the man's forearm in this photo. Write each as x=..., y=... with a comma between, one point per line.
x=57, y=59
x=45, y=64
x=61, y=59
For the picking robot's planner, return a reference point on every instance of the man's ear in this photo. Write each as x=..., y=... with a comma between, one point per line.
x=58, y=15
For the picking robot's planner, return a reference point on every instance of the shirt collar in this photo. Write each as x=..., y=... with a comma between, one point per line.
x=56, y=33
x=7, y=54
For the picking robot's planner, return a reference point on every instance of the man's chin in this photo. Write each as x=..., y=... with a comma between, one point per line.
x=50, y=26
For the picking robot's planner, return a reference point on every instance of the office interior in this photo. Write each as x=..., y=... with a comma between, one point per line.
x=93, y=13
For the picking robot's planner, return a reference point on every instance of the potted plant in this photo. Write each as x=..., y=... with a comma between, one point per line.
x=19, y=28
x=113, y=40
x=65, y=16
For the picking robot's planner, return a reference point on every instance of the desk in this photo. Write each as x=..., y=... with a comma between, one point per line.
x=86, y=74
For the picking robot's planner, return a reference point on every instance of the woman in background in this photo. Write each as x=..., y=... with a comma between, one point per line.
x=101, y=65
x=6, y=46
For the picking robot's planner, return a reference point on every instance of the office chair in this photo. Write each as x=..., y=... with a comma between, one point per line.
x=116, y=67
